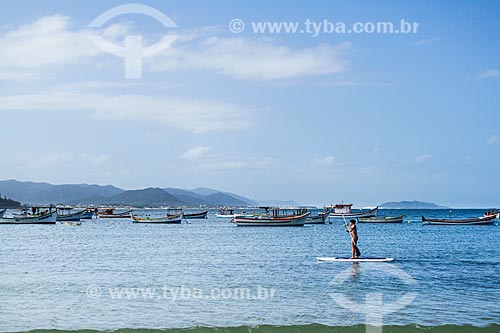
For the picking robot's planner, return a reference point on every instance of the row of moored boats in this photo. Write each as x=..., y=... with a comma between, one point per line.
x=266, y=216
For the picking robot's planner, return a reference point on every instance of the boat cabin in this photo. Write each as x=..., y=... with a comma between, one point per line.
x=226, y=211
x=64, y=209
x=283, y=212
x=342, y=208
x=107, y=211
x=41, y=210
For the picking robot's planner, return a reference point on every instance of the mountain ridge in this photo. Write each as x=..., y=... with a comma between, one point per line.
x=33, y=193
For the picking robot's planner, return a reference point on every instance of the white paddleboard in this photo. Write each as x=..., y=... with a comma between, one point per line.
x=355, y=260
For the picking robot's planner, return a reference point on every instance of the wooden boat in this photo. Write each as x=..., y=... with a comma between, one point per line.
x=200, y=215
x=89, y=214
x=321, y=218
x=65, y=214
x=109, y=213
x=382, y=219
x=495, y=213
x=485, y=220
x=276, y=218
x=169, y=219
x=38, y=215
x=225, y=213
x=345, y=211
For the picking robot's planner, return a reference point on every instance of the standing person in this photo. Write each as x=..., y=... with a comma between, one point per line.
x=353, y=231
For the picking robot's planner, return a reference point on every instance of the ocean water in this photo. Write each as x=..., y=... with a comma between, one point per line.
x=211, y=275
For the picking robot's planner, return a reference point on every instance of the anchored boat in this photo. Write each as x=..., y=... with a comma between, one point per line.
x=345, y=211
x=109, y=213
x=169, y=219
x=228, y=213
x=89, y=214
x=200, y=215
x=190, y=216
x=382, y=219
x=67, y=214
x=493, y=212
x=485, y=220
x=276, y=218
x=37, y=215
x=321, y=218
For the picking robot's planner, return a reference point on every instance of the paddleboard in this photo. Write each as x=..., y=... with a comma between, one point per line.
x=355, y=260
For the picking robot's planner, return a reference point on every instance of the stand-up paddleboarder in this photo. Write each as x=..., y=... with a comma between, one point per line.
x=353, y=231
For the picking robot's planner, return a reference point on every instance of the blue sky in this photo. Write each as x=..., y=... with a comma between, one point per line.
x=364, y=118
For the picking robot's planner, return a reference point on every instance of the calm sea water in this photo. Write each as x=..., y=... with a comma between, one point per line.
x=72, y=278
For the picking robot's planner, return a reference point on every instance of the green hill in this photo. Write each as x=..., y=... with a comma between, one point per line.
x=410, y=205
x=9, y=203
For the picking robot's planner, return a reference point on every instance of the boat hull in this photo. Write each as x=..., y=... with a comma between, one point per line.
x=261, y=221
x=124, y=215
x=201, y=215
x=320, y=219
x=169, y=219
x=71, y=217
x=370, y=213
x=488, y=220
x=396, y=219
x=49, y=218
x=88, y=215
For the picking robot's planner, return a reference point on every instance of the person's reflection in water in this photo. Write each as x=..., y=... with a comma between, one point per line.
x=355, y=270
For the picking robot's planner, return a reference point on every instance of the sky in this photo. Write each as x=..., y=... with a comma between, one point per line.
x=316, y=118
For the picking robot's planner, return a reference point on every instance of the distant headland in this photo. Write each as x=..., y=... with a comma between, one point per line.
x=410, y=205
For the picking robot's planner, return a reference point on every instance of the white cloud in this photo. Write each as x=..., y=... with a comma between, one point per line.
x=196, y=153
x=422, y=158
x=197, y=116
x=47, y=41
x=58, y=159
x=50, y=41
x=238, y=163
x=489, y=74
x=254, y=59
x=204, y=158
x=494, y=139
x=323, y=161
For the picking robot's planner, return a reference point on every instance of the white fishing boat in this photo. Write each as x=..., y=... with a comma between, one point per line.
x=67, y=213
x=169, y=219
x=37, y=215
x=229, y=213
x=276, y=218
x=321, y=218
x=345, y=211
x=89, y=214
x=225, y=213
